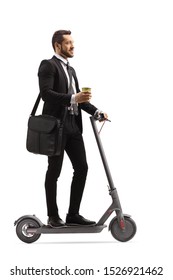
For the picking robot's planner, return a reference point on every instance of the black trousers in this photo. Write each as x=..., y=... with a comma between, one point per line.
x=73, y=145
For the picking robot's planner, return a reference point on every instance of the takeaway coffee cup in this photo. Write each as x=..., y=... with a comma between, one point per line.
x=86, y=89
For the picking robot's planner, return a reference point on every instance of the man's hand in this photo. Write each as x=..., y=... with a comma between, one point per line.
x=82, y=97
x=101, y=116
x=104, y=117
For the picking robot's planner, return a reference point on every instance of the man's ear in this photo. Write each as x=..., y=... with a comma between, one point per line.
x=57, y=46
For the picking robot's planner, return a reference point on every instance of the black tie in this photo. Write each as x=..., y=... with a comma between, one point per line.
x=74, y=107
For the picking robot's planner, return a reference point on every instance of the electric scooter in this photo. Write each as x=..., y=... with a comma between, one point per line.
x=29, y=228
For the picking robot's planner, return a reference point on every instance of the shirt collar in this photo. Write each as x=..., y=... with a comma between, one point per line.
x=65, y=61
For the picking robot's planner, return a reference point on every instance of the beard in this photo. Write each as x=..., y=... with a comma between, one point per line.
x=65, y=53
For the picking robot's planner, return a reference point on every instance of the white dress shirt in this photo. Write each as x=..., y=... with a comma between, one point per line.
x=64, y=65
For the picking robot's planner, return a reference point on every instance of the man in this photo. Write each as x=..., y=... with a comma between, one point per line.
x=60, y=92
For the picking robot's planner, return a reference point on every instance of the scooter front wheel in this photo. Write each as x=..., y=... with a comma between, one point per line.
x=21, y=230
x=125, y=234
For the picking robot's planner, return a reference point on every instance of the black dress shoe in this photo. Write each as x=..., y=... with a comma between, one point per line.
x=55, y=222
x=77, y=219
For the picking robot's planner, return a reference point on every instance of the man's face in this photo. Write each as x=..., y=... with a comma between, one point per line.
x=66, y=49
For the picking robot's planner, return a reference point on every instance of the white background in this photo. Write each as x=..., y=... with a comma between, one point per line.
x=124, y=51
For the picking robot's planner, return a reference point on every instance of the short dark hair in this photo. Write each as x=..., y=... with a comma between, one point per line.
x=58, y=36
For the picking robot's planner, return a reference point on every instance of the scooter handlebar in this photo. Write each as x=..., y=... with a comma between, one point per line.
x=100, y=117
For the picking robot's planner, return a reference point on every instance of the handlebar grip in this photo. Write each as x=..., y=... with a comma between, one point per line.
x=100, y=117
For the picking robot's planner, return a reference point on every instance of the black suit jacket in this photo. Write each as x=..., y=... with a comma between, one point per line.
x=53, y=85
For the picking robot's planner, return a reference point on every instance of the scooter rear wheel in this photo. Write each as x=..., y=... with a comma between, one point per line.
x=123, y=235
x=21, y=230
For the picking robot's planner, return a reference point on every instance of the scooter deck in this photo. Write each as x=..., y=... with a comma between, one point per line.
x=66, y=229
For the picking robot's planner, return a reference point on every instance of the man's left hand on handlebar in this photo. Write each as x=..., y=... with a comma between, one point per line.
x=100, y=116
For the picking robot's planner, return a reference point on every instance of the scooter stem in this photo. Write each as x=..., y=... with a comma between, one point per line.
x=102, y=153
